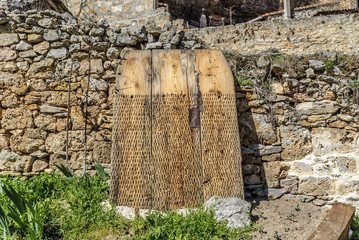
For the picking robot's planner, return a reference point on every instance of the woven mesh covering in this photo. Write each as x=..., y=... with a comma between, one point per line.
x=174, y=146
x=175, y=153
x=220, y=147
x=131, y=149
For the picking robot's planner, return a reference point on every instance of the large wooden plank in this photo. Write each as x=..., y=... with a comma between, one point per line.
x=220, y=142
x=131, y=177
x=175, y=145
x=336, y=224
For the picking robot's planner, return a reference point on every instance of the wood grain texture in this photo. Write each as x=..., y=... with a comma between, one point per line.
x=336, y=224
x=134, y=73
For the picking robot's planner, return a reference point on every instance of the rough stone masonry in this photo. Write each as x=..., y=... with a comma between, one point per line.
x=302, y=140
x=37, y=50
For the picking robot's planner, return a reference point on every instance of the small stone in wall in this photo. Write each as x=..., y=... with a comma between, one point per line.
x=319, y=202
x=317, y=65
x=317, y=108
x=310, y=73
x=156, y=45
x=338, y=124
x=275, y=193
x=252, y=179
x=34, y=38
x=7, y=159
x=8, y=39
x=42, y=47
x=51, y=35
x=45, y=23
x=58, y=53
x=39, y=165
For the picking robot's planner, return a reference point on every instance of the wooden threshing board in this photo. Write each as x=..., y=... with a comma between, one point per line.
x=175, y=136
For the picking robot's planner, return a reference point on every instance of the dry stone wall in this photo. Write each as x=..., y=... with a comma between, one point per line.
x=299, y=129
x=38, y=52
x=298, y=36
x=299, y=121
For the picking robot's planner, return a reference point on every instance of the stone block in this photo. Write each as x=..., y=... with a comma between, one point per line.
x=316, y=186
x=8, y=39
x=17, y=118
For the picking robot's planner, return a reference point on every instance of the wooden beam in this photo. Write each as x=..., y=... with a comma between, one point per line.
x=336, y=224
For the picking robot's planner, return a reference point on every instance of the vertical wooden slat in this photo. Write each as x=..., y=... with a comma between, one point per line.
x=175, y=150
x=131, y=178
x=220, y=142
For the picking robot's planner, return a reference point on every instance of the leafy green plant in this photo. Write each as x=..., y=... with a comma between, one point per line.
x=64, y=170
x=297, y=208
x=329, y=65
x=245, y=81
x=100, y=170
x=355, y=227
x=277, y=236
x=197, y=224
x=22, y=216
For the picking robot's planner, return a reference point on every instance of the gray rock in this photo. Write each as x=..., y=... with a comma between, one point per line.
x=45, y=23
x=256, y=146
x=74, y=48
x=37, y=30
x=246, y=151
x=136, y=30
x=101, y=46
x=317, y=108
x=51, y=35
x=7, y=39
x=23, y=46
x=152, y=28
x=39, y=154
x=4, y=20
x=7, y=159
x=188, y=44
x=166, y=37
x=263, y=62
x=328, y=79
x=292, y=83
x=156, y=45
x=236, y=211
x=97, y=32
x=27, y=54
x=39, y=165
x=310, y=73
x=169, y=46
x=177, y=38
x=267, y=150
x=58, y=53
x=126, y=212
x=51, y=109
x=317, y=65
x=274, y=193
x=305, y=198
x=124, y=39
x=112, y=53
x=150, y=38
x=319, y=202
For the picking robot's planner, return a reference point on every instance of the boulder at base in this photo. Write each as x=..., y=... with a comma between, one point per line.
x=235, y=210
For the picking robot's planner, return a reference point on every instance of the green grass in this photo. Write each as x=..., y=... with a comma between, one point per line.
x=70, y=208
x=355, y=228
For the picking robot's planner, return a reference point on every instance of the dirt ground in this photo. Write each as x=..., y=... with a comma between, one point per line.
x=286, y=219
